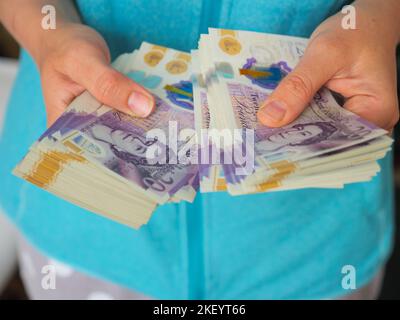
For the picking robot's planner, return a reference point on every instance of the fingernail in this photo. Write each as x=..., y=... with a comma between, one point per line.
x=273, y=110
x=140, y=104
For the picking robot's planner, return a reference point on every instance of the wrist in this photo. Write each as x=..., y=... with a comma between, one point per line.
x=23, y=19
x=51, y=40
x=381, y=18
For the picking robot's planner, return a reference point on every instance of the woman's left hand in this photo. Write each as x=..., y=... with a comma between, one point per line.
x=359, y=64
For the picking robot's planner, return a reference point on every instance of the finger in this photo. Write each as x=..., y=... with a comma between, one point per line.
x=295, y=91
x=52, y=115
x=112, y=88
x=384, y=114
x=56, y=99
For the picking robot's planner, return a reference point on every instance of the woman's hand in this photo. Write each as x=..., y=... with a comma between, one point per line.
x=359, y=64
x=74, y=58
x=71, y=58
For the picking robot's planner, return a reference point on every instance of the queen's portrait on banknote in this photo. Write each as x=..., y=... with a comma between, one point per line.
x=298, y=135
x=123, y=144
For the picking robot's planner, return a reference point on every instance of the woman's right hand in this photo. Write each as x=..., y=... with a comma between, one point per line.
x=74, y=58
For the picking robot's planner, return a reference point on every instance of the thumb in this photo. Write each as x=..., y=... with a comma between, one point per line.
x=114, y=89
x=295, y=92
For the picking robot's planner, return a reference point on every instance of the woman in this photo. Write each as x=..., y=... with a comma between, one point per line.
x=279, y=245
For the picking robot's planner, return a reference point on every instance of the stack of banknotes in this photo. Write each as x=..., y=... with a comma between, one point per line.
x=97, y=157
x=203, y=135
x=326, y=147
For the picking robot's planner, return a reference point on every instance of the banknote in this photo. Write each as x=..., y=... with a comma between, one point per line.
x=119, y=142
x=210, y=174
x=247, y=67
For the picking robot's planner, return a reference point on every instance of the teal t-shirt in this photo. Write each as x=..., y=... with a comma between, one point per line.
x=277, y=245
